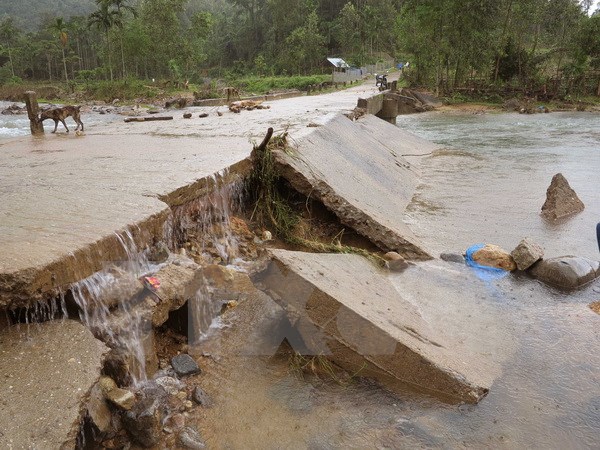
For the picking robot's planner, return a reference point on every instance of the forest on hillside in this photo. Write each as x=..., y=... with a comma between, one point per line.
x=453, y=45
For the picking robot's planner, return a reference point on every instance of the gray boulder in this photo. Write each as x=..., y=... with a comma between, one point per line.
x=190, y=438
x=184, y=365
x=452, y=257
x=569, y=272
x=527, y=253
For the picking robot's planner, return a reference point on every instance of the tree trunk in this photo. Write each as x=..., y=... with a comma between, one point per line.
x=123, y=74
x=65, y=65
x=110, y=70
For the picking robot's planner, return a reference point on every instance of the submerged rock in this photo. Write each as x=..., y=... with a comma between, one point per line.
x=526, y=254
x=201, y=397
x=569, y=272
x=561, y=199
x=190, y=438
x=395, y=262
x=185, y=365
x=494, y=256
x=452, y=257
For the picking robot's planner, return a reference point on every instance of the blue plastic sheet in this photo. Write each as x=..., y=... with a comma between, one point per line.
x=484, y=273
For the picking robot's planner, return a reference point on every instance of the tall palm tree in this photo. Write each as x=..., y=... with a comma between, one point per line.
x=104, y=19
x=121, y=8
x=60, y=28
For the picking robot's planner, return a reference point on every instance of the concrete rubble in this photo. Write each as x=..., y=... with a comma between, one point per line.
x=357, y=171
x=48, y=372
x=346, y=309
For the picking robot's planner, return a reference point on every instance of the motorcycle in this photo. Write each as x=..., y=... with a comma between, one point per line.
x=381, y=82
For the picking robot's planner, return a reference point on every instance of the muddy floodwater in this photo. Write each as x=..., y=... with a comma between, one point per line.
x=488, y=186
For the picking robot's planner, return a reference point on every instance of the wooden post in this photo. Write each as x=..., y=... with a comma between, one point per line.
x=33, y=109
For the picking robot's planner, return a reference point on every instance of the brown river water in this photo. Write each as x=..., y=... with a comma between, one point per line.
x=488, y=186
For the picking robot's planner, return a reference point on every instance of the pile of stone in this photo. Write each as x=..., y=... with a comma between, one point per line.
x=156, y=411
x=567, y=272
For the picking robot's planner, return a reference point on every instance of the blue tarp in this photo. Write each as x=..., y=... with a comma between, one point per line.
x=484, y=273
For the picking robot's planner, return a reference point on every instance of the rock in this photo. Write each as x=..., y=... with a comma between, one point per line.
x=369, y=190
x=190, y=438
x=569, y=272
x=107, y=384
x=98, y=410
x=561, y=199
x=452, y=257
x=175, y=422
x=201, y=397
x=48, y=371
x=595, y=307
x=143, y=422
x=218, y=276
x=159, y=253
x=116, y=366
x=184, y=365
x=122, y=398
x=267, y=236
x=493, y=256
x=526, y=254
x=171, y=385
x=343, y=306
x=203, y=115
x=395, y=262
x=187, y=116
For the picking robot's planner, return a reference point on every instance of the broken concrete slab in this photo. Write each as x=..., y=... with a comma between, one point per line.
x=345, y=308
x=568, y=272
x=357, y=171
x=48, y=372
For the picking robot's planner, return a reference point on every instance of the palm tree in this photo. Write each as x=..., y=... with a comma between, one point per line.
x=60, y=28
x=104, y=19
x=121, y=8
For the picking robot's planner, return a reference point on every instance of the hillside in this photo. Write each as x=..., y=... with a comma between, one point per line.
x=29, y=13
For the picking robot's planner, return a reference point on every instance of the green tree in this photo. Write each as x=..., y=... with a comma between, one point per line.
x=60, y=28
x=306, y=46
x=9, y=35
x=103, y=19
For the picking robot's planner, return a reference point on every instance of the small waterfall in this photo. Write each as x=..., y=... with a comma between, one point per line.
x=206, y=220
x=108, y=301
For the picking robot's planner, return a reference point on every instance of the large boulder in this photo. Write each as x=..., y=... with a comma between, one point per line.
x=561, y=199
x=494, y=256
x=569, y=272
x=526, y=254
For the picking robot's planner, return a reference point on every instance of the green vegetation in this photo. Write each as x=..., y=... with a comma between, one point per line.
x=273, y=209
x=261, y=85
x=544, y=48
